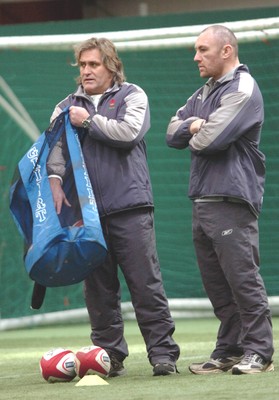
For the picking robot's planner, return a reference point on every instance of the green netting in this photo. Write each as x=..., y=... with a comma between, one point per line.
x=41, y=79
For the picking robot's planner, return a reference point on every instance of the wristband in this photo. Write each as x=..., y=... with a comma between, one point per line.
x=56, y=176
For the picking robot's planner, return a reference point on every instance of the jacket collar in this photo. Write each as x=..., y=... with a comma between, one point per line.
x=81, y=93
x=227, y=77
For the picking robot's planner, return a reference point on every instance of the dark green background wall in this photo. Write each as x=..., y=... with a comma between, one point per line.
x=40, y=79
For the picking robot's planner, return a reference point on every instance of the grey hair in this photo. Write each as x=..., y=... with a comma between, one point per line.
x=109, y=56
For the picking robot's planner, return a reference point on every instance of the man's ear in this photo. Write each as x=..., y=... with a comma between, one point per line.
x=227, y=51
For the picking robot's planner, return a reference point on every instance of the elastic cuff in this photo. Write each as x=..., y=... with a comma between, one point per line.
x=56, y=176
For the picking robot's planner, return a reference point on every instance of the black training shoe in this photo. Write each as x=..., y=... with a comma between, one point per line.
x=252, y=364
x=214, y=365
x=116, y=367
x=164, y=369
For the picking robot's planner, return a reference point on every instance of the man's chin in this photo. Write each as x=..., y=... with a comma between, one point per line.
x=204, y=75
x=89, y=88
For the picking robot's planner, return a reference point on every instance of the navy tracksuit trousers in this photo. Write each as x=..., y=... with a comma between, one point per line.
x=130, y=237
x=226, y=240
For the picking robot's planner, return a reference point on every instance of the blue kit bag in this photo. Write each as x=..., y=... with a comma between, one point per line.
x=60, y=249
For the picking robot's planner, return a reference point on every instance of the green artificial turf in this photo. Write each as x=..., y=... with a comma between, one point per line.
x=21, y=350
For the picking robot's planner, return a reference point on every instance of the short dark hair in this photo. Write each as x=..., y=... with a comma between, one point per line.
x=225, y=36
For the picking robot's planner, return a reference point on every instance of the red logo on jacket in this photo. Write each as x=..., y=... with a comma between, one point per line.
x=111, y=104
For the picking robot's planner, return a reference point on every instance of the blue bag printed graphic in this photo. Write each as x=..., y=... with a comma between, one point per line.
x=61, y=249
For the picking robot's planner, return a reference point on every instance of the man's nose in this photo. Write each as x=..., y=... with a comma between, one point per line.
x=197, y=57
x=87, y=69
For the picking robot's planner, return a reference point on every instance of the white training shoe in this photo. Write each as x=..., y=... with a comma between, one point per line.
x=252, y=364
x=214, y=365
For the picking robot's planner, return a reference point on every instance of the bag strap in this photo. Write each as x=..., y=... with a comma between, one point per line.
x=50, y=135
x=84, y=187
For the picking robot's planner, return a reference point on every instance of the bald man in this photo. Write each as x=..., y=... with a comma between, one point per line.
x=221, y=126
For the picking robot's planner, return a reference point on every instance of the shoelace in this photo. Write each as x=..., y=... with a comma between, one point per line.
x=249, y=358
